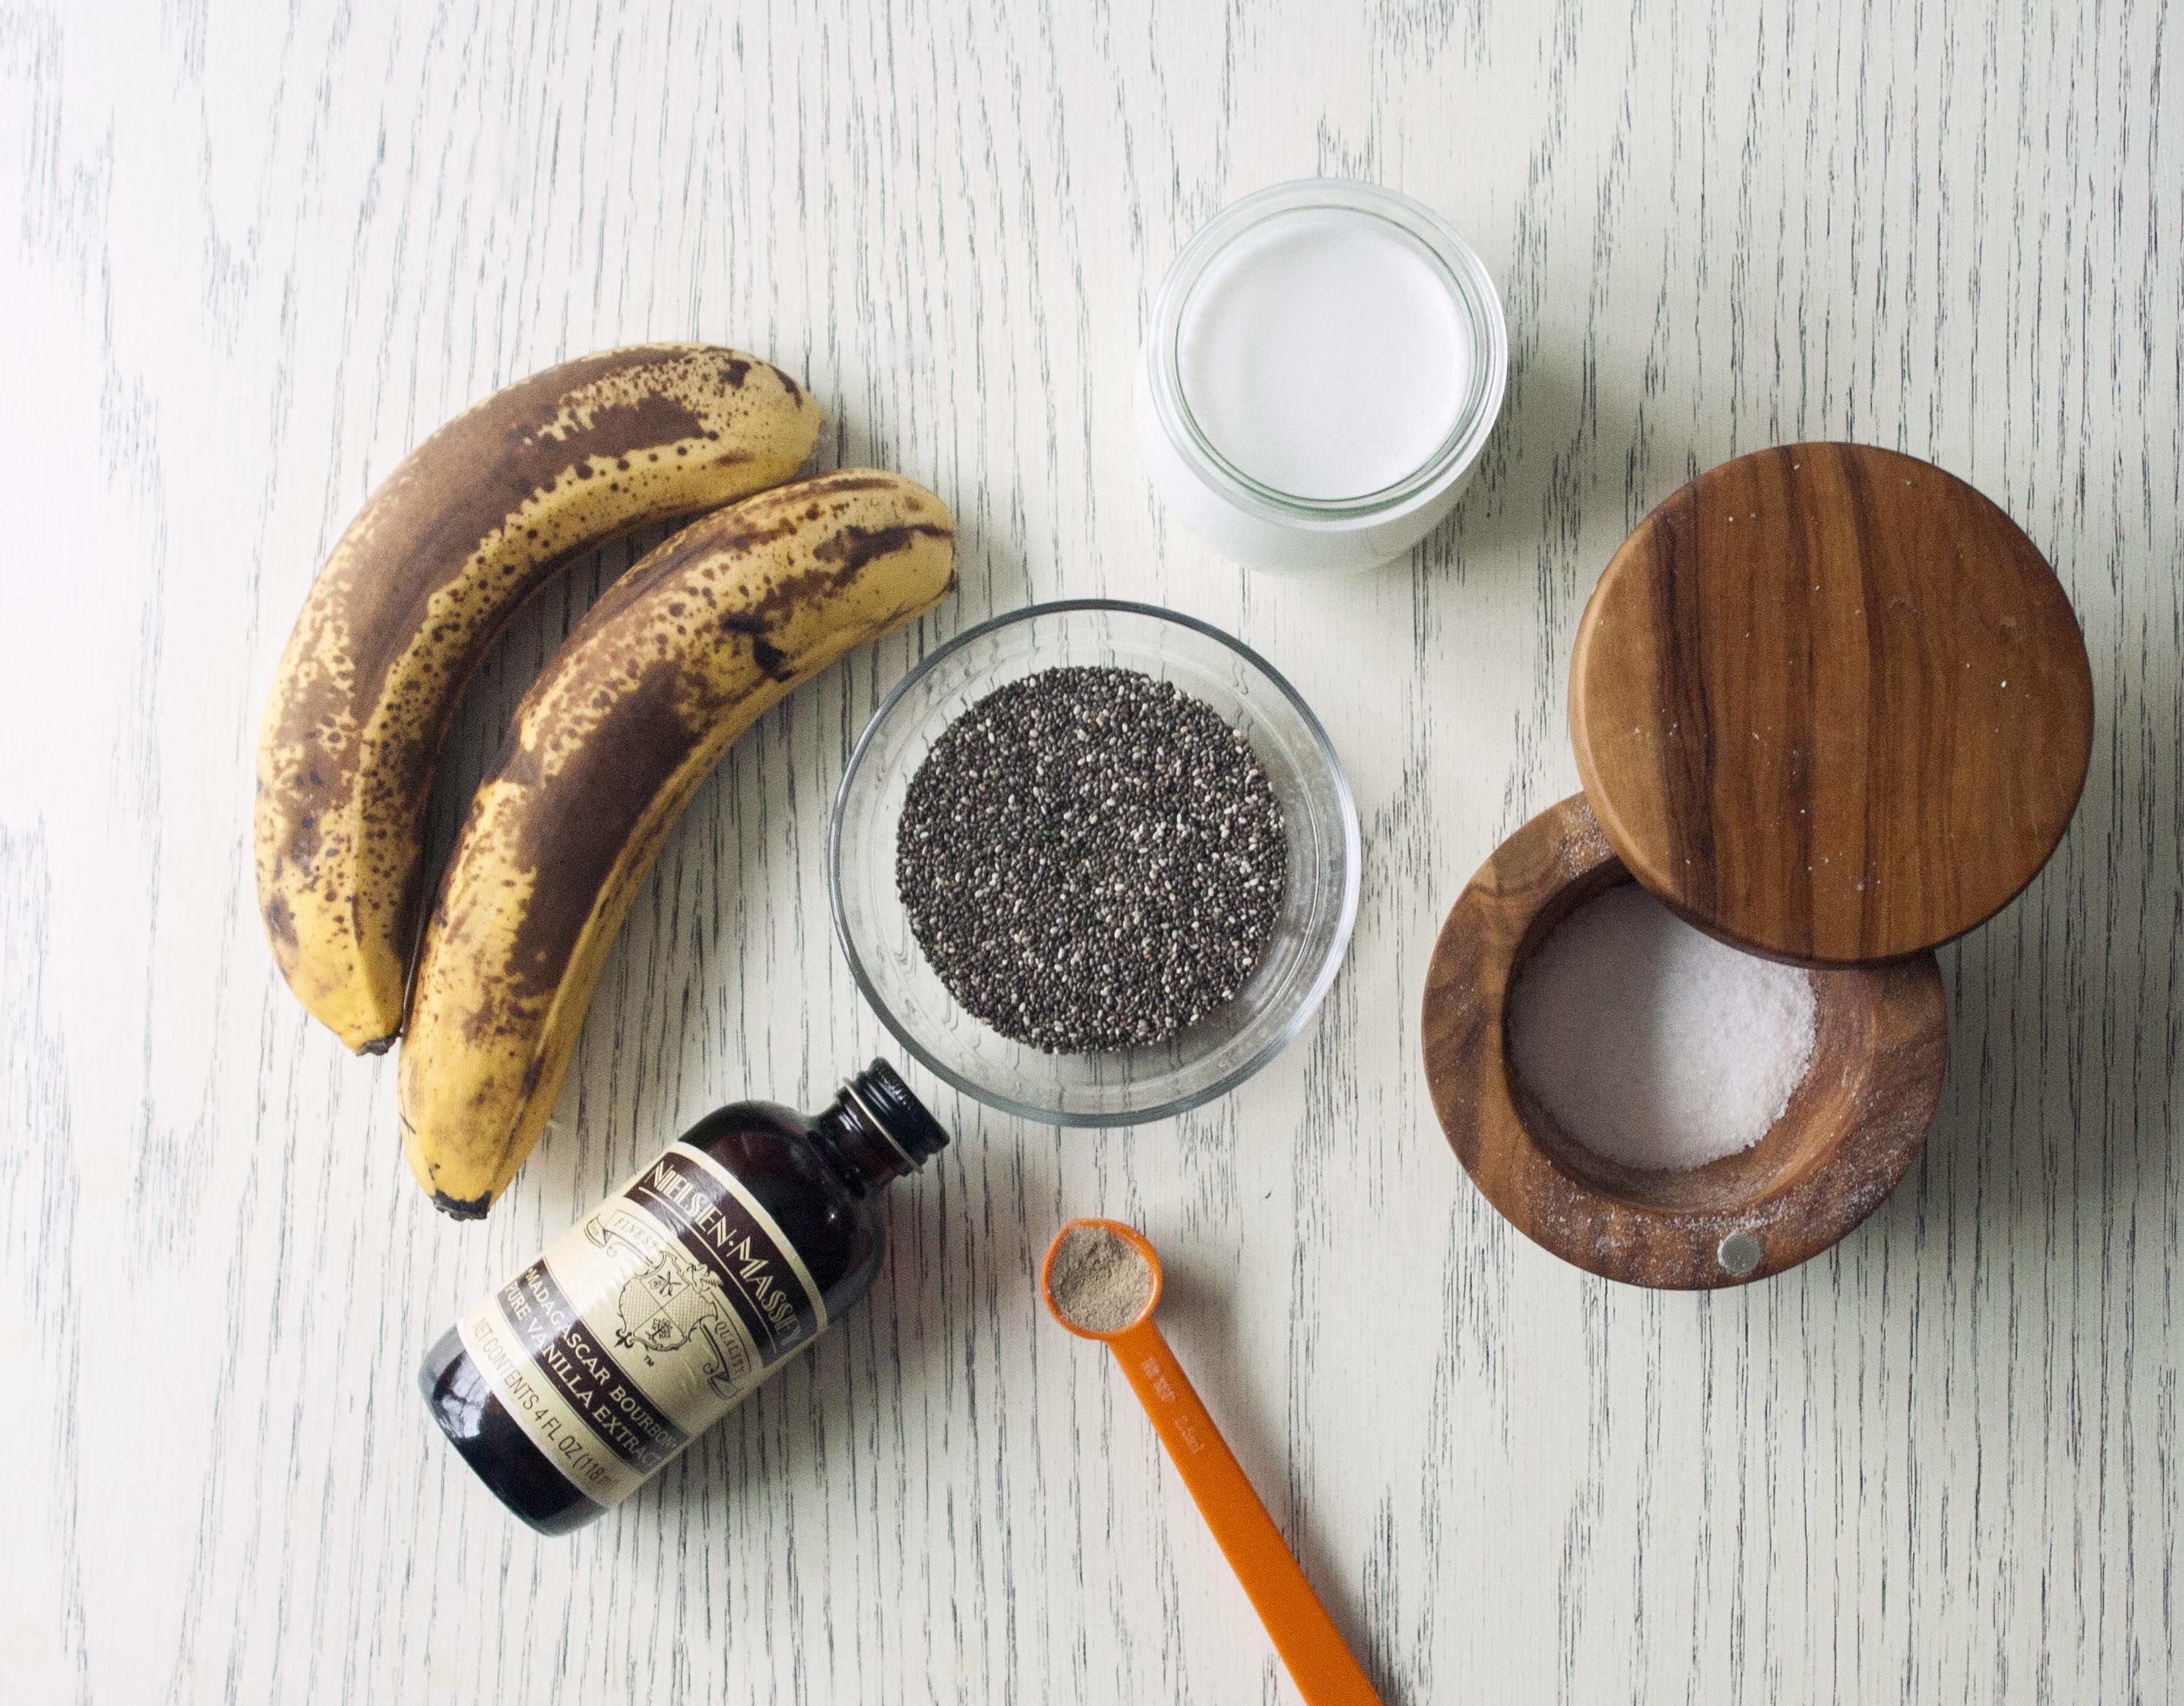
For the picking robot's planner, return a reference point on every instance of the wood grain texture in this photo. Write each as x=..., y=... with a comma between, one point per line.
x=250, y=254
x=1831, y=704
x=1852, y=1129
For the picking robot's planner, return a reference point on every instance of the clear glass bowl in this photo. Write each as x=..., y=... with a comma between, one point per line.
x=1128, y=1085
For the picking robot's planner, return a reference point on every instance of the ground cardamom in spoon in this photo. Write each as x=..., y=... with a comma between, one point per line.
x=1099, y=1281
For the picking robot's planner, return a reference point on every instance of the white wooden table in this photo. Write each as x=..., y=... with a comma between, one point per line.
x=250, y=253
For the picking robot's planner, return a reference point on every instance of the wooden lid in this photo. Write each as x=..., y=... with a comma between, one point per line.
x=1831, y=704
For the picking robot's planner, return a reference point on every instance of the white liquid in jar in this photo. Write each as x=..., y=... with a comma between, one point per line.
x=1323, y=355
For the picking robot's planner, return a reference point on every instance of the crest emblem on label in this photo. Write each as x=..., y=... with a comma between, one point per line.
x=671, y=1305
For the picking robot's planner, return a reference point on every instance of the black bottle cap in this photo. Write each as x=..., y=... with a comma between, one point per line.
x=907, y=1122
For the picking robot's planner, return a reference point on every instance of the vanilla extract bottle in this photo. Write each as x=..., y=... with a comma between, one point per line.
x=665, y=1308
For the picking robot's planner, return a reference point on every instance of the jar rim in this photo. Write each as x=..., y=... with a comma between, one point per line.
x=1470, y=289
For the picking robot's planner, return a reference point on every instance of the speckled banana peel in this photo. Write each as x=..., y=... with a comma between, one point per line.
x=675, y=661
x=476, y=519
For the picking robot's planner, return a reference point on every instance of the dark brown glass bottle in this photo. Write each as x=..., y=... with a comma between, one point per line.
x=662, y=1308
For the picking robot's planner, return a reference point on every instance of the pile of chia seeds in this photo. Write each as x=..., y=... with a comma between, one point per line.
x=1091, y=859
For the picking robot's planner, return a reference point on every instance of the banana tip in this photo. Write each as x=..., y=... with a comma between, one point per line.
x=462, y=1207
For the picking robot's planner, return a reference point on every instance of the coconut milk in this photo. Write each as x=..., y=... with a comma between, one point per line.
x=1324, y=362
x=1324, y=355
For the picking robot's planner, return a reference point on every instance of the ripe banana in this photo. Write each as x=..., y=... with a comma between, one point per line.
x=472, y=523
x=676, y=661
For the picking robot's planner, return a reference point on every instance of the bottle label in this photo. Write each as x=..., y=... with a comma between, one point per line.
x=645, y=1322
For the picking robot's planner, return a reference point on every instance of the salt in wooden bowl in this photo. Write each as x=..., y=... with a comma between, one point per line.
x=1851, y=1131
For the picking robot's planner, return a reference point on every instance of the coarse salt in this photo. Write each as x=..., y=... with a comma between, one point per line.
x=1653, y=1045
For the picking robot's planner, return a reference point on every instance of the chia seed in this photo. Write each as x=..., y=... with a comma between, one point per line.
x=1091, y=859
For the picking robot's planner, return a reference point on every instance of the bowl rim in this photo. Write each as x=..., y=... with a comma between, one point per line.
x=1495, y=1126
x=1300, y=1014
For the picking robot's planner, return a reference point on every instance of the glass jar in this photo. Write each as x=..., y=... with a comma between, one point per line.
x=1249, y=517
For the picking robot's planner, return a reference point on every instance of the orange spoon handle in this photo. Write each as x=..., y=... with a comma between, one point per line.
x=1319, y=1662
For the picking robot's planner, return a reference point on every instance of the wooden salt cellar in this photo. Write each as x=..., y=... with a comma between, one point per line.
x=1830, y=705
x=1852, y=1129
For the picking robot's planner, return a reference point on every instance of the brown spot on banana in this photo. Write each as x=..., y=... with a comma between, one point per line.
x=475, y=520
x=626, y=720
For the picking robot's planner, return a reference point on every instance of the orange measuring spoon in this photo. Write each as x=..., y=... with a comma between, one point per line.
x=1319, y=1661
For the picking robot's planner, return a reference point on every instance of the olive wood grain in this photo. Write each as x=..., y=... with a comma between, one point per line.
x=1851, y=1131
x=1831, y=704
